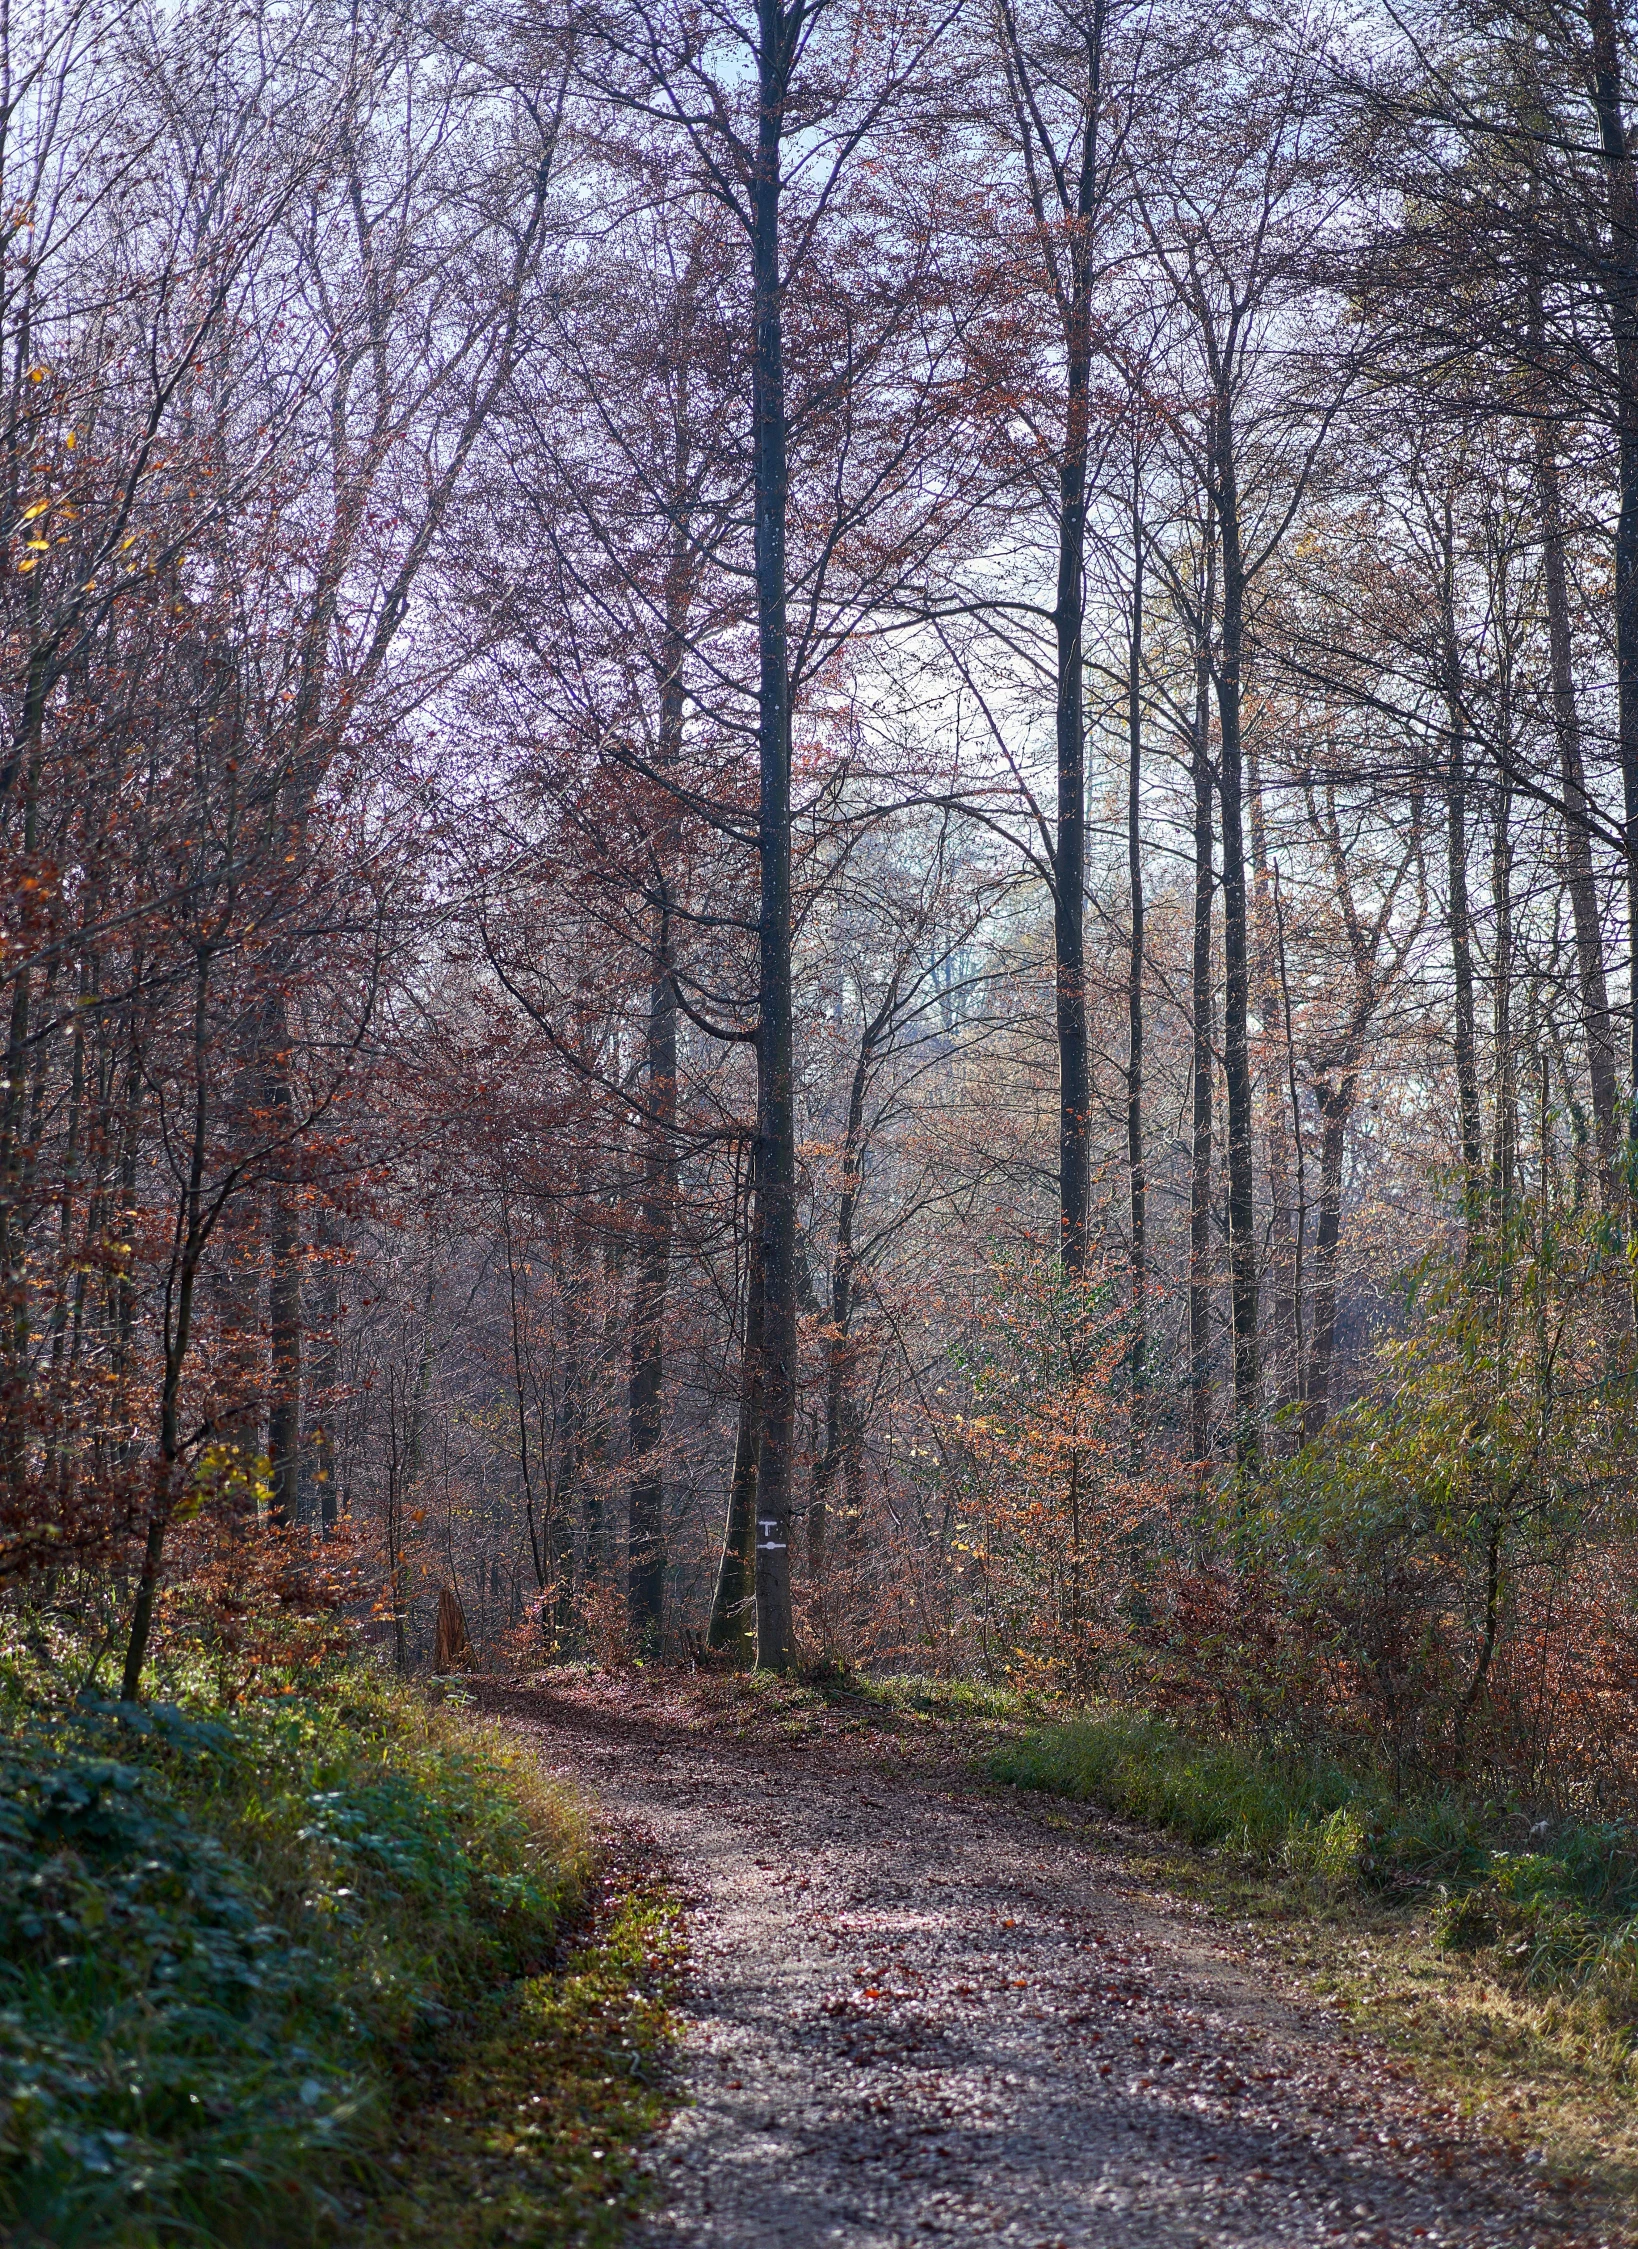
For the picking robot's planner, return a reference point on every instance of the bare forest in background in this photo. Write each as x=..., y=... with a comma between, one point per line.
x=820, y=836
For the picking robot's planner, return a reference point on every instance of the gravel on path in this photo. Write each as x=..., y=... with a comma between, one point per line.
x=924, y=2011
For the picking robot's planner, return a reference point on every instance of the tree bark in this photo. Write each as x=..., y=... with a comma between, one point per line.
x=1067, y=218
x=646, y=1516
x=646, y=1578
x=1137, y=1182
x=840, y=1453
x=1505, y=1124
x=1242, y=1214
x=1069, y=851
x=733, y=1601
x=284, y=1283
x=1287, y=1371
x=191, y=1234
x=780, y=31
x=1202, y=1064
x=1621, y=176
x=1578, y=866
x=1461, y=953
x=1335, y=1098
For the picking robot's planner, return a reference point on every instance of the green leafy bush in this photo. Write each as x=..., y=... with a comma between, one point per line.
x=230, y=1943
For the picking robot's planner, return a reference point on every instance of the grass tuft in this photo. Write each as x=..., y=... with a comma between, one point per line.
x=919, y=1696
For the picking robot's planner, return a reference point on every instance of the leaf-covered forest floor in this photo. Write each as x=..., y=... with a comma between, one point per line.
x=923, y=2006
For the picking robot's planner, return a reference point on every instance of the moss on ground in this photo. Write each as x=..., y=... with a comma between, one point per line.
x=533, y=2140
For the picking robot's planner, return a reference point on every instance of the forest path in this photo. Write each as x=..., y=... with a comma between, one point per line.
x=921, y=2010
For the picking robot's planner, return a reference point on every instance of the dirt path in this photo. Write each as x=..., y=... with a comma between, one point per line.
x=923, y=2012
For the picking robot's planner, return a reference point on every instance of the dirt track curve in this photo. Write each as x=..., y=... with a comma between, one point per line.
x=921, y=2012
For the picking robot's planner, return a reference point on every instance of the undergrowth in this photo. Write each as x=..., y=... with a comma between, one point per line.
x=1553, y=1904
x=532, y=2139
x=922, y=1696
x=241, y=1944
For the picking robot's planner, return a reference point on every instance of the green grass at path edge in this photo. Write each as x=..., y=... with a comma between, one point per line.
x=247, y=1952
x=919, y=1695
x=1554, y=1903
x=533, y=2142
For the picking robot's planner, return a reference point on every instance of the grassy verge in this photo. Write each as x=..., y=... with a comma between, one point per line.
x=1499, y=1955
x=532, y=2140
x=245, y=1951
x=912, y=1694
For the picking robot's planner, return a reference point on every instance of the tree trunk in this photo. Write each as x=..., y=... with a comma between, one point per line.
x=1621, y=175
x=325, y=1387
x=776, y=1115
x=1242, y=1214
x=1578, y=866
x=646, y=1582
x=1137, y=1182
x=452, y=1645
x=1069, y=851
x=732, y=1602
x=646, y=1516
x=1505, y=1134
x=1461, y=926
x=1461, y=953
x=1336, y=1102
x=192, y=1232
x=284, y=1285
x=1203, y=1064
x=1286, y=1379
x=841, y=1432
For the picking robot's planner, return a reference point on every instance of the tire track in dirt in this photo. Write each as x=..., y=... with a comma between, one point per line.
x=920, y=2012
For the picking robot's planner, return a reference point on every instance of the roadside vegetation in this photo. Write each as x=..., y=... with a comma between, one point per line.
x=249, y=1943
x=1496, y=1950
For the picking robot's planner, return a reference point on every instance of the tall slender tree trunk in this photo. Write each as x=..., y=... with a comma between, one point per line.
x=1463, y=1033
x=733, y=1600
x=189, y=1238
x=285, y=1276
x=646, y=1517
x=1069, y=853
x=646, y=1578
x=1621, y=175
x=779, y=34
x=1242, y=1214
x=840, y=1421
x=1286, y=1378
x=324, y=1391
x=1063, y=190
x=1504, y=1142
x=1461, y=954
x=1335, y=1096
x=1578, y=866
x=1137, y=1181
x=1299, y=1241
x=14, y=1294
x=839, y=1455
x=1202, y=985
